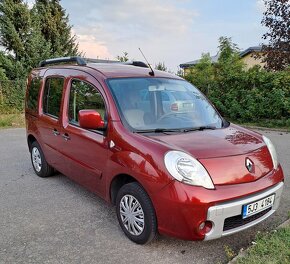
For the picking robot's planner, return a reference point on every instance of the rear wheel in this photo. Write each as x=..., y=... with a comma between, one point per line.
x=39, y=163
x=136, y=214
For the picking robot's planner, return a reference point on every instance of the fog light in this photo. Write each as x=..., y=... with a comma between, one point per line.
x=205, y=227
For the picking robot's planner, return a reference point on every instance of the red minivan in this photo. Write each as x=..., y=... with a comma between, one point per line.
x=153, y=145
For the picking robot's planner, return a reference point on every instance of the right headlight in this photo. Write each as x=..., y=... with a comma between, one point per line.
x=187, y=169
x=272, y=151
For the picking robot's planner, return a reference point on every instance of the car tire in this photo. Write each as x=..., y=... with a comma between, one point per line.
x=39, y=163
x=136, y=214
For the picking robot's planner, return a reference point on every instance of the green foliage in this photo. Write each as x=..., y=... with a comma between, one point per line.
x=269, y=248
x=29, y=36
x=202, y=74
x=276, y=19
x=229, y=252
x=54, y=26
x=123, y=58
x=12, y=96
x=161, y=66
x=239, y=94
x=12, y=120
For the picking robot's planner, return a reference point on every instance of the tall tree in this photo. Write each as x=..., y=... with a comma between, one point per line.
x=55, y=27
x=277, y=20
x=14, y=26
x=161, y=66
x=227, y=50
x=21, y=39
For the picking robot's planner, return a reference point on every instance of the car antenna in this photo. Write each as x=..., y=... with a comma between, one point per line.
x=152, y=72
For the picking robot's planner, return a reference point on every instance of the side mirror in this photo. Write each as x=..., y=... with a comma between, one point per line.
x=91, y=119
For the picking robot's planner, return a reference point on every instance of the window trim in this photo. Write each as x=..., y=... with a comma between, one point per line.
x=61, y=100
x=98, y=131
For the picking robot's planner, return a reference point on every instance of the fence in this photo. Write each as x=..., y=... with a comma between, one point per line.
x=12, y=96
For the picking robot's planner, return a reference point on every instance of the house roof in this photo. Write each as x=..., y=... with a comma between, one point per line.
x=250, y=50
x=215, y=58
x=192, y=63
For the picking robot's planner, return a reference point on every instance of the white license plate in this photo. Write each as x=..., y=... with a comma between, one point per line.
x=258, y=206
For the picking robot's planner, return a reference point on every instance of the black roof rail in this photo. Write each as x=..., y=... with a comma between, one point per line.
x=78, y=60
x=137, y=63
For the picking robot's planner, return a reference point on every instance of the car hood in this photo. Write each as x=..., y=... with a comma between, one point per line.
x=224, y=152
x=230, y=141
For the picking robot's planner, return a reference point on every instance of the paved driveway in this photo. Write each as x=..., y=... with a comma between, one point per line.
x=54, y=220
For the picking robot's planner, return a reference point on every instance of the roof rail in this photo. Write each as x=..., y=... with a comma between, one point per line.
x=136, y=63
x=78, y=60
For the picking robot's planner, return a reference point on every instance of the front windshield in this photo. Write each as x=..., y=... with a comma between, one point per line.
x=159, y=103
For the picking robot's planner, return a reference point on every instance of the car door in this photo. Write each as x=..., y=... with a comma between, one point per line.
x=86, y=150
x=49, y=123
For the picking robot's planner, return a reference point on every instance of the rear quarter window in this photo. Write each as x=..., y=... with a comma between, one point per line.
x=33, y=91
x=52, y=96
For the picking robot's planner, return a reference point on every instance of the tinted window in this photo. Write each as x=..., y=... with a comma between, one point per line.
x=84, y=96
x=33, y=91
x=52, y=96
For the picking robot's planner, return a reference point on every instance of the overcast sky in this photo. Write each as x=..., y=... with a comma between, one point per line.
x=169, y=31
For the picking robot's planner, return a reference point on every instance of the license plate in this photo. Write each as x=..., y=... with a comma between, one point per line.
x=258, y=206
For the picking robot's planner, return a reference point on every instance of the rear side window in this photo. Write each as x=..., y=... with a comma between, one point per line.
x=33, y=91
x=52, y=96
x=84, y=96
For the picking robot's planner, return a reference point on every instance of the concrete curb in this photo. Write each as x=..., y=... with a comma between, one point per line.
x=244, y=252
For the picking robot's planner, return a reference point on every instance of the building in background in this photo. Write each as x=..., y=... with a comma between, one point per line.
x=247, y=56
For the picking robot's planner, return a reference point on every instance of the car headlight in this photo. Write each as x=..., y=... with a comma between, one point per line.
x=272, y=151
x=187, y=169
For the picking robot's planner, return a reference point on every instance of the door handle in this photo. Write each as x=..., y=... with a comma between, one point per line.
x=55, y=132
x=66, y=137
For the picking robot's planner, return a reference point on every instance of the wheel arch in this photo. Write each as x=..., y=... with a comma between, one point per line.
x=117, y=182
x=30, y=140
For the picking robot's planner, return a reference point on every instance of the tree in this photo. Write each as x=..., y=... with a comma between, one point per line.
x=54, y=26
x=160, y=66
x=276, y=19
x=228, y=50
x=21, y=39
x=29, y=36
x=14, y=26
x=123, y=58
x=202, y=73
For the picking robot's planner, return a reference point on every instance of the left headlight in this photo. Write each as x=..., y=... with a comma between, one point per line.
x=187, y=169
x=272, y=151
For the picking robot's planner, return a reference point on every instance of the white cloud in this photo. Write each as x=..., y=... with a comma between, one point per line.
x=260, y=5
x=92, y=48
x=159, y=27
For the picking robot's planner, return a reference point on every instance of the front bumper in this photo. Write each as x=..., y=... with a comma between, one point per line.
x=219, y=213
x=181, y=208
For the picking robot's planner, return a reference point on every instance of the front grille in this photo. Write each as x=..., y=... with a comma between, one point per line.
x=237, y=221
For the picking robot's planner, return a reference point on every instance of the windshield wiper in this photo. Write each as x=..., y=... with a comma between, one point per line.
x=199, y=128
x=158, y=130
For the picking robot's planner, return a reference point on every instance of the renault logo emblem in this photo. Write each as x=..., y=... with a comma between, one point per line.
x=249, y=165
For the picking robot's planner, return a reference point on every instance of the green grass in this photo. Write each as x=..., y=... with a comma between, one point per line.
x=12, y=120
x=277, y=124
x=273, y=247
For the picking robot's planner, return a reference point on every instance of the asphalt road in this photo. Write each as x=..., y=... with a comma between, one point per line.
x=54, y=220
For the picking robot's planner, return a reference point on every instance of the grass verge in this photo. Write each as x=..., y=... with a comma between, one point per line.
x=276, y=124
x=12, y=120
x=272, y=247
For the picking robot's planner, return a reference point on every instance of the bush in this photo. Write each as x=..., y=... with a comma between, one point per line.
x=240, y=94
x=12, y=96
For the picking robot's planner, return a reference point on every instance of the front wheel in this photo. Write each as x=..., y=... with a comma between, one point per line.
x=39, y=163
x=136, y=214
